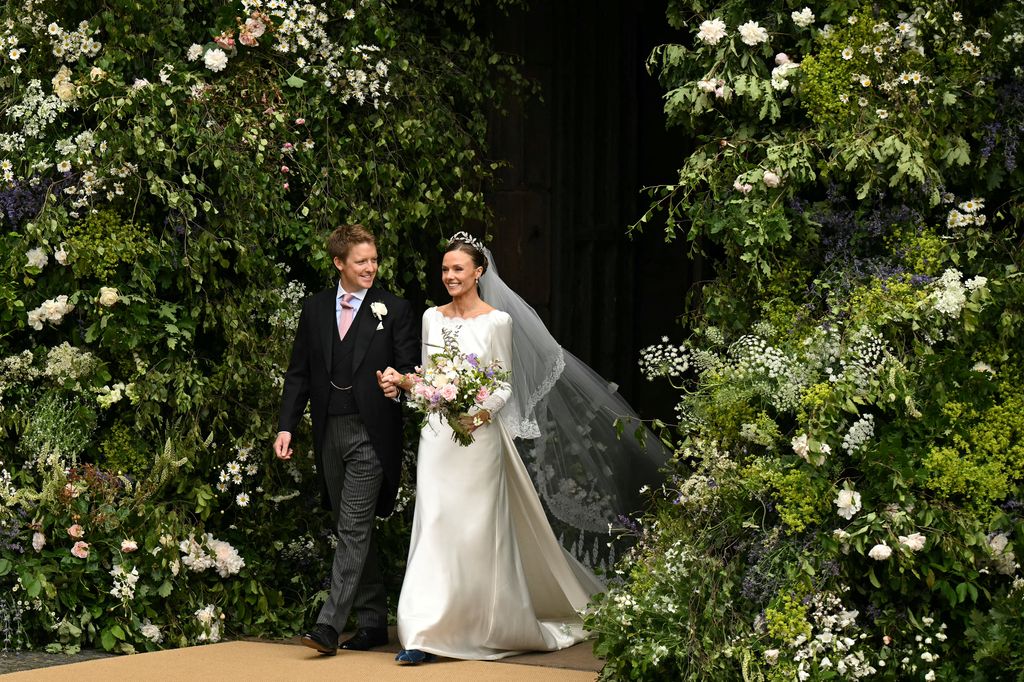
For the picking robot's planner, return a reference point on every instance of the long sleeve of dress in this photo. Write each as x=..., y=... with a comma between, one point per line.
x=501, y=350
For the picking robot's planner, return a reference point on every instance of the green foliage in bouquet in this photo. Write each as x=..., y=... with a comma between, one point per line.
x=848, y=437
x=168, y=175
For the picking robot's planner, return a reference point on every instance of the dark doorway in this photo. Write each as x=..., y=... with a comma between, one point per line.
x=579, y=158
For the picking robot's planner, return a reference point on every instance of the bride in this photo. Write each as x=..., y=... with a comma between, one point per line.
x=486, y=576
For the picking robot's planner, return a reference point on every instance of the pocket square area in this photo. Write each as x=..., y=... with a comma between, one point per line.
x=380, y=325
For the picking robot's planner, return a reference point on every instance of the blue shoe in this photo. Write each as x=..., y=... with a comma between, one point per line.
x=414, y=657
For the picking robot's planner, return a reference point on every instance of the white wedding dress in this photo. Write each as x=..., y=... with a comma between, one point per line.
x=486, y=577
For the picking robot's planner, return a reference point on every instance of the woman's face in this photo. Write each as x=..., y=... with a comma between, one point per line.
x=458, y=273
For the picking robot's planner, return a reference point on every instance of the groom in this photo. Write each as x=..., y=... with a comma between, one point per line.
x=346, y=336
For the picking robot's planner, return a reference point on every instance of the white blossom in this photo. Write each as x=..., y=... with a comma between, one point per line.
x=803, y=18
x=215, y=59
x=752, y=33
x=712, y=31
x=848, y=503
x=880, y=552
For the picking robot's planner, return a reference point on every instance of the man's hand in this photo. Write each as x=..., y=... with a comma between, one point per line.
x=281, y=449
x=387, y=382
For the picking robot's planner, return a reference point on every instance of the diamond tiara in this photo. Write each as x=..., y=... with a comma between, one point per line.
x=466, y=238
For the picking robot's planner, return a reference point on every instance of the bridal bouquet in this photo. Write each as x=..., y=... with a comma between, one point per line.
x=453, y=384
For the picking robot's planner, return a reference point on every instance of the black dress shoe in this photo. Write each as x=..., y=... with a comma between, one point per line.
x=366, y=638
x=323, y=638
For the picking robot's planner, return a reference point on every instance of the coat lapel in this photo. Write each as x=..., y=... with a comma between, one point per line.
x=365, y=327
x=329, y=325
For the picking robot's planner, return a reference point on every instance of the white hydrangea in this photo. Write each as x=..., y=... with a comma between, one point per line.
x=948, y=294
x=195, y=51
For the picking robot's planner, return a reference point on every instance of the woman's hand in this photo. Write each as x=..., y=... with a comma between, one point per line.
x=472, y=422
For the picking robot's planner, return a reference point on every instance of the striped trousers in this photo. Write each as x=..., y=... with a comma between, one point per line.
x=354, y=477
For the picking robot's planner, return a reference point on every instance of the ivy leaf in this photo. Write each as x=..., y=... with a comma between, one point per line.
x=295, y=81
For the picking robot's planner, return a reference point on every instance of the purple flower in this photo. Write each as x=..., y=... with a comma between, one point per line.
x=473, y=360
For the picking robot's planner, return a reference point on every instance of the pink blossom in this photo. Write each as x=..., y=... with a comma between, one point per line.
x=81, y=550
x=449, y=392
x=129, y=545
x=285, y=169
x=254, y=25
x=287, y=146
x=285, y=185
x=76, y=531
x=247, y=38
x=482, y=394
x=225, y=40
x=300, y=121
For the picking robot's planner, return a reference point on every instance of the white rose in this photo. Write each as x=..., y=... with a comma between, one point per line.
x=38, y=541
x=800, y=446
x=914, y=542
x=96, y=73
x=998, y=543
x=848, y=503
x=129, y=545
x=772, y=656
x=61, y=256
x=195, y=51
x=215, y=59
x=711, y=31
x=37, y=258
x=752, y=33
x=771, y=179
x=35, y=319
x=65, y=90
x=880, y=552
x=109, y=296
x=378, y=309
x=782, y=58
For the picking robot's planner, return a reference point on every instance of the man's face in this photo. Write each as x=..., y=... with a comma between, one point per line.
x=359, y=267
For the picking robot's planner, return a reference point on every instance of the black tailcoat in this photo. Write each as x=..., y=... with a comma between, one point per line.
x=308, y=377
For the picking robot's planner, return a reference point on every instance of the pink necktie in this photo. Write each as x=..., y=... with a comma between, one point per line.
x=347, y=313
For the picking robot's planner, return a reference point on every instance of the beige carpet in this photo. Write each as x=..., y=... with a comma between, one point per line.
x=271, y=661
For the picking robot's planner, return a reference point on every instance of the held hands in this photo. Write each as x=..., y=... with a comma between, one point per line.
x=281, y=449
x=390, y=380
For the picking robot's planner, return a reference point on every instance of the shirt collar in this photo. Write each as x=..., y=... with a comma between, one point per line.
x=358, y=294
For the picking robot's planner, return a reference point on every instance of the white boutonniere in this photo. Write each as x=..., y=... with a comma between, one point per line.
x=379, y=310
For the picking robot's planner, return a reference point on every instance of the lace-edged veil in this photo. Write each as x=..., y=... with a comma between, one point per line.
x=562, y=415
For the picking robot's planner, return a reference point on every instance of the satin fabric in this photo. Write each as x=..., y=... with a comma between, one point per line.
x=486, y=577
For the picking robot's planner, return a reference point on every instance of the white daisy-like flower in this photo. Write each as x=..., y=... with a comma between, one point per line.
x=15, y=54
x=53, y=29
x=865, y=81
x=64, y=166
x=882, y=114
x=242, y=500
x=847, y=53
